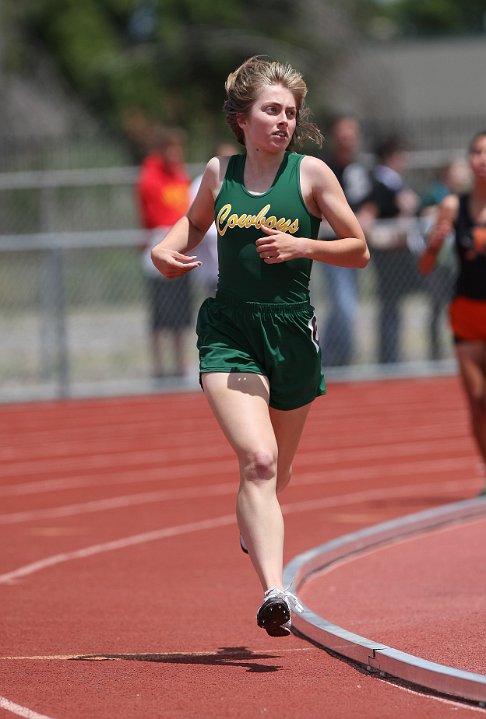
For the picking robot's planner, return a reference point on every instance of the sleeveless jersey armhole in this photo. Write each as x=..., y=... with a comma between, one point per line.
x=230, y=173
x=298, y=164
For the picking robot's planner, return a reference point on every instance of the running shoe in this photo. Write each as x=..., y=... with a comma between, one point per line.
x=274, y=614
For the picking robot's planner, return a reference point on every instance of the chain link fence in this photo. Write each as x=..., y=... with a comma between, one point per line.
x=74, y=309
x=74, y=316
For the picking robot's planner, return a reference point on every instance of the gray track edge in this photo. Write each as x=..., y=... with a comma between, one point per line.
x=375, y=657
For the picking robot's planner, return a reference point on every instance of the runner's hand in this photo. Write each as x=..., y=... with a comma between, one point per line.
x=278, y=246
x=172, y=264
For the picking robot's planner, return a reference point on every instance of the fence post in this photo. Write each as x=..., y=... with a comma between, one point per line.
x=54, y=345
x=62, y=350
x=47, y=280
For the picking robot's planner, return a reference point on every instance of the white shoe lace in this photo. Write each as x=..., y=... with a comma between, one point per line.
x=292, y=601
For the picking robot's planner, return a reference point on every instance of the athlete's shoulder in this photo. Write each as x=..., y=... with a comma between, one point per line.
x=312, y=161
x=215, y=171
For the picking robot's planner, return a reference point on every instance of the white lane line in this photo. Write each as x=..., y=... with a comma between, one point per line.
x=138, y=459
x=62, y=433
x=157, y=534
x=20, y=711
x=429, y=467
x=377, y=494
x=226, y=653
x=101, y=505
x=441, y=700
x=116, y=544
x=133, y=476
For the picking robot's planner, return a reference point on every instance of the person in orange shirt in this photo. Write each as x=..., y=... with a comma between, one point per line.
x=163, y=197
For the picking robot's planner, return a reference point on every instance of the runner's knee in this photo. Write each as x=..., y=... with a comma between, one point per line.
x=258, y=465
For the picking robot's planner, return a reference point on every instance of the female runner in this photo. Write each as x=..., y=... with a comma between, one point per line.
x=260, y=362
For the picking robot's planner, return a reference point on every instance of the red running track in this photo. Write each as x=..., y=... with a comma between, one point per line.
x=122, y=586
x=424, y=594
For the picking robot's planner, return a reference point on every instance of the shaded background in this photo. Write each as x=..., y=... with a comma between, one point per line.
x=81, y=86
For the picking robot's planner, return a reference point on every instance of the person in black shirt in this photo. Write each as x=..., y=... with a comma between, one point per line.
x=465, y=215
x=392, y=258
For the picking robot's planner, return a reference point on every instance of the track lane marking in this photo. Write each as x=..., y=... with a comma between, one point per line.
x=216, y=522
x=20, y=710
x=208, y=453
x=430, y=467
x=95, y=656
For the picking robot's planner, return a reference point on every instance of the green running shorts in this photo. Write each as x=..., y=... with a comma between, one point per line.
x=278, y=341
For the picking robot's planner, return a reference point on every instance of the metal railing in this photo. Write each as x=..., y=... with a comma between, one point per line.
x=74, y=315
x=73, y=297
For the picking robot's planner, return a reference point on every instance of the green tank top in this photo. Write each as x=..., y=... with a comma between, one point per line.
x=239, y=216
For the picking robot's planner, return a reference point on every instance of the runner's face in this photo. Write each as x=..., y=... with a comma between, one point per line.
x=477, y=157
x=272, y=119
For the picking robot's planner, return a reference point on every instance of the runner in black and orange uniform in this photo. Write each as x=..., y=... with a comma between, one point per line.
x=259, y=355
x=465, y=215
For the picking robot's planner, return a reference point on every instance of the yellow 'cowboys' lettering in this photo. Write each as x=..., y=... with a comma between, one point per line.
x=226, y=220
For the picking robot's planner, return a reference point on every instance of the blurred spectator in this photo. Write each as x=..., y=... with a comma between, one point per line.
x=207, y=251
x=339, y=329
x=465, y=216
x=391, y=256
x=163, y=197
x=454, y=178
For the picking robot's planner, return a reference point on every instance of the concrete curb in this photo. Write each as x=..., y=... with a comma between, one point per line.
x=375, y=657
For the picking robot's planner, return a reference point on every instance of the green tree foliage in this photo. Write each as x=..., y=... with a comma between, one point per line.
x=434, y=18
x=167, y=60
x=164, y=59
